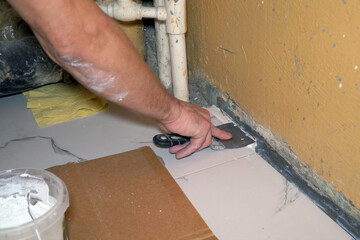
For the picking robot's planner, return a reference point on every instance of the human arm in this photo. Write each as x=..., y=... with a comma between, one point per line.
x=95, y=51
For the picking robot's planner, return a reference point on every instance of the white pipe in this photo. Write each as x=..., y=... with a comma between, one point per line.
x=176, y=27
x=158, y=13
x=179, y=66
x=123, y=10
x=127, y=10
x=163, y=50
x=176, y=16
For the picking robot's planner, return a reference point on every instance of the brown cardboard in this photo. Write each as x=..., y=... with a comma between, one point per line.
x=128, y=196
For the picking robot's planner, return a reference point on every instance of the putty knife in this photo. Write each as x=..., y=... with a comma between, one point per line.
x=239, y=139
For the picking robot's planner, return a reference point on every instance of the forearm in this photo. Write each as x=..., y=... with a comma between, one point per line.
x=92, y=47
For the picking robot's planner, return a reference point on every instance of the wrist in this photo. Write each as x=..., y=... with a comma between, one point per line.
x=173, y=113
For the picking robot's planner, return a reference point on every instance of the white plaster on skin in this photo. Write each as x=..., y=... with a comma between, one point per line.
x=121, y=96
x=97, y=80
x=76, y=63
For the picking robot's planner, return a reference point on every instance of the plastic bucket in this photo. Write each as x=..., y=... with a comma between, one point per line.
x=51, y=224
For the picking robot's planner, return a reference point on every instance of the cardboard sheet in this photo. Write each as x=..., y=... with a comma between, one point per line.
x=128, y=196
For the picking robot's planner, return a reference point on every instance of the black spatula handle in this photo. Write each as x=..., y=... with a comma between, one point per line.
x=169, y=140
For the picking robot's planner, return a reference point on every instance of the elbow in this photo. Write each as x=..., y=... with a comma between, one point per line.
x=73, y=43
x=63, y=49
x=59, y=45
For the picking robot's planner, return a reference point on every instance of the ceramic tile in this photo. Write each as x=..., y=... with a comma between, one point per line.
x=247, y=199
x=32, y=152
x=204, y=160
x=15, y=119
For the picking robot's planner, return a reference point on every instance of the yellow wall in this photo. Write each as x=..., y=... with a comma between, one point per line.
x=293, y=66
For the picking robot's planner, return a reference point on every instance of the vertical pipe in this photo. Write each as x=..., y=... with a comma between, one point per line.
x=179, y=66
x=170, y=48
x=163, y=50
x=176, y=27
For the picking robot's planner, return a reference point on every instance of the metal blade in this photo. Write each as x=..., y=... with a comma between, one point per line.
x=239, y=138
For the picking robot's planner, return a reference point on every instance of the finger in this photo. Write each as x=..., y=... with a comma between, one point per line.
x=177, y=148
x=207, y=141
x=220, y=133
x=195, y=145
x=187, y=151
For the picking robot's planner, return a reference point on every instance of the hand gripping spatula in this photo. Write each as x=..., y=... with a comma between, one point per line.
x=239, y=139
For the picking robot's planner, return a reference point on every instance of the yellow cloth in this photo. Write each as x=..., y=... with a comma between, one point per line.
x=61, y=102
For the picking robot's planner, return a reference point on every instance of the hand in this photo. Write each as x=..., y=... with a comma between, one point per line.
x=195, y=122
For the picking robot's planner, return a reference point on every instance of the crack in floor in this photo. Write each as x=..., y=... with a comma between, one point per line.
x=54, y=146
x=289, y=196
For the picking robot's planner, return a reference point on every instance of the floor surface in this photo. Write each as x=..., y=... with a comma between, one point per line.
x=238, y=194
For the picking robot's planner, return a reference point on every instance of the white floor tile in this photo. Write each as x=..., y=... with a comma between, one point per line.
x=247, y=199
x=15, y=119
x=237, y=193
x=203, y=160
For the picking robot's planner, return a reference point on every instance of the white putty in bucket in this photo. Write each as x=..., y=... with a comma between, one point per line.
x=22, y=195
x=15, y=210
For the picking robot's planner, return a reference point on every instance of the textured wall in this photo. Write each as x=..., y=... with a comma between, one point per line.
x=294, y=66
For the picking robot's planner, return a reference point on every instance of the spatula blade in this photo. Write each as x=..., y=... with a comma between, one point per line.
x=239, y=138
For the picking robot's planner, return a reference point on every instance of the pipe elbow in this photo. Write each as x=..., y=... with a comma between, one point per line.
x=158, y=13
x=123, y=10
x=127, y=12
x=176, y=17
